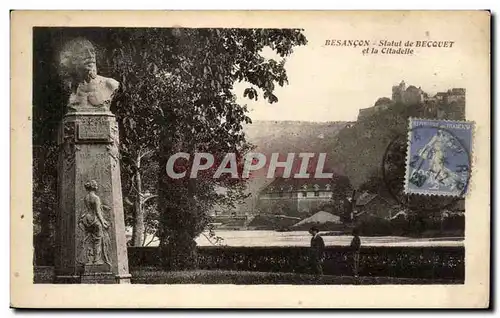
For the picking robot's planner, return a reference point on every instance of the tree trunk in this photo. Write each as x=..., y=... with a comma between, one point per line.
x=138, y=230
x=144, y=200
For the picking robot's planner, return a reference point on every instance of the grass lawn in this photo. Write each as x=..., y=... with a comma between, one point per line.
x=158, y=276
x=253, y=278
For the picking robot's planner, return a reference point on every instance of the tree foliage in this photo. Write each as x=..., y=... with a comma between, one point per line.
x=49, y=99
x=203, y=115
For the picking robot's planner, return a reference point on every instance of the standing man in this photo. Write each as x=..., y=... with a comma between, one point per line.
x=317, y=251
x=355, y=247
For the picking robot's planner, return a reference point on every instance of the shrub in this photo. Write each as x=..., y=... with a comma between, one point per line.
x=375, y=226
x=410, y=262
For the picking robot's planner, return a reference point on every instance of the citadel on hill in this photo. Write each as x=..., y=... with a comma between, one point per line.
x=449, y=104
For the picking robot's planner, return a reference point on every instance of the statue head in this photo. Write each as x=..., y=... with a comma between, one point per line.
x=78, y=60
x=91, y=185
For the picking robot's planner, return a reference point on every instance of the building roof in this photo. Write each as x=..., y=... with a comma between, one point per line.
x=457, y=91
x=365, y=198
x=310, y=184
x=320, y=217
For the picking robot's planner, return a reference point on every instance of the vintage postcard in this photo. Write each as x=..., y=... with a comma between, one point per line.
x=250, y=159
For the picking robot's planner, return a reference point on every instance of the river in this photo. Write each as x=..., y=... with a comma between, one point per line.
x=303, y=238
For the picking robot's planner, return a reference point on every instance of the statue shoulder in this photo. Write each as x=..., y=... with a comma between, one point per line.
x=112, y=84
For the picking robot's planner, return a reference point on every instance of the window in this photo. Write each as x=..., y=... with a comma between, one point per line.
x=316, y=193
x=304, y=194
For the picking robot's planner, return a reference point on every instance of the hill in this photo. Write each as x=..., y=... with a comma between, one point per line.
x=291, y=136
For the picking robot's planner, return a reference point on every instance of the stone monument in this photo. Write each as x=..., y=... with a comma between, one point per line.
x=91, y=244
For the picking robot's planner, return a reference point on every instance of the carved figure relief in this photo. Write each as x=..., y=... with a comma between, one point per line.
x=96, y=242
x=88, y=91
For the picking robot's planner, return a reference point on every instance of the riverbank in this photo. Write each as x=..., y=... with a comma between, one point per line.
x=303, y=239
x=431, y=235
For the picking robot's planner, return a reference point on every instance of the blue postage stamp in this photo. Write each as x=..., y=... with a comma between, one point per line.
x=439, y=157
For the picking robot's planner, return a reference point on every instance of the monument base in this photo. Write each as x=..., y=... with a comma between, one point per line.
x=98, y=278
x=123, y=279
x=93, y=278
x=91, y=241
x=67, y=279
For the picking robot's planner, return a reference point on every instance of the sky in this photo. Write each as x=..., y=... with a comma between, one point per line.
x=328, y=83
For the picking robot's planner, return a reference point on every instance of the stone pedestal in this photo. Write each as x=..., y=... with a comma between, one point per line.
x=91, y=245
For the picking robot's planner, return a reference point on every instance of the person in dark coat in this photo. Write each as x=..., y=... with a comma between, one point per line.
x=317, y=251
x=355, y=248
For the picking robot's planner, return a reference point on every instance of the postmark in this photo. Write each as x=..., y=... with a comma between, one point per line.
x=438, y=160
x=394, y=175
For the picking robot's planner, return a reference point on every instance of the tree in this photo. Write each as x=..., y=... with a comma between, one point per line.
x=133, y=57
x=188, y=82
x=202, y=115
x=49, y=99
x=44, y=202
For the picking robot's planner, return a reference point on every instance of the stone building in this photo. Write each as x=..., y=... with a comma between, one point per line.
x=373, y=204
x=413, y=95
x=298, y=196
x=456, y=95
x=450, y=104
x=408, y=95
x=443, y=105
x=398, y=92
x=450, y=96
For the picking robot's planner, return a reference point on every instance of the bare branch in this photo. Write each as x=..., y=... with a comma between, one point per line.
x=148, y=197
x=145, y=154
x=144, y=236
x=214, y=244
x=153, y=238
x=124, y=154
x=132, y=187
